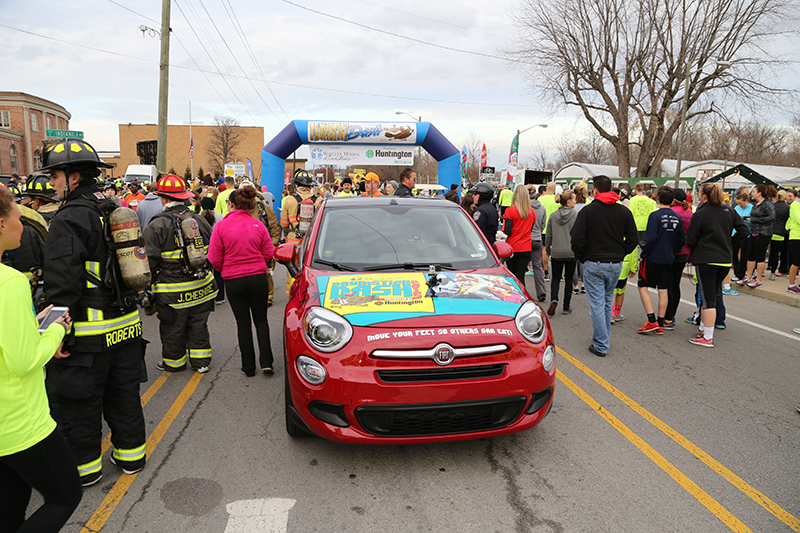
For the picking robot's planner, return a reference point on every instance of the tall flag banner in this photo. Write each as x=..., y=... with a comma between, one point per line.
x=483, y=156
x=191, y=148
x=512, y=161
x=464, y=164
x=250, y=169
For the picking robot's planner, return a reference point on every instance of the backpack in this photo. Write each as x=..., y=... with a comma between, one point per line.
x=305, y=213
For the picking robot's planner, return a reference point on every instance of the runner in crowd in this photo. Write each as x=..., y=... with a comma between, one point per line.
x=517, y=225
x=558, y=244
x=762, y=217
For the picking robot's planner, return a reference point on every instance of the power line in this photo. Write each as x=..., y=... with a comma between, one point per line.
x=432, y=19
x=395, y=34
x=288, y=84
x=134, y=12
x=249, y=49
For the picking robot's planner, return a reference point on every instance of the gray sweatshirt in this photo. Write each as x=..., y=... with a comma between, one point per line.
x=558, y=241
x=541, y=219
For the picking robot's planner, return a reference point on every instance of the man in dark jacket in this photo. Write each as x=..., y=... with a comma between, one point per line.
x=408, y=179
x=485, y=214
x=663, y=238
x=603, y=234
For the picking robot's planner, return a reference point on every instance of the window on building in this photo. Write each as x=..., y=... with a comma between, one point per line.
x=49, y=121
x=61, y=124
x=34, y=121
x=37, y=159
x=5, y=119
x=13, y=154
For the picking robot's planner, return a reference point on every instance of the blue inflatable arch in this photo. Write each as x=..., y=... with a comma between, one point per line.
x=296, y=134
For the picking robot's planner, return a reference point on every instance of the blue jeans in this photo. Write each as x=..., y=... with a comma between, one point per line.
x=600, y=279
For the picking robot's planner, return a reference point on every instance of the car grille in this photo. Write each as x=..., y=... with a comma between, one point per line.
x=418, y=420
x=440, y=374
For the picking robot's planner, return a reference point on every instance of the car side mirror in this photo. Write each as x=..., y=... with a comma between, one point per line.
x=503, y=249
x=285, y=254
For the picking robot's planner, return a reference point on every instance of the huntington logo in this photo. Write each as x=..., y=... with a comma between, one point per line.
x=370, y=154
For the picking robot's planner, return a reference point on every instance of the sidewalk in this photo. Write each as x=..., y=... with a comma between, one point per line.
x=770, y=290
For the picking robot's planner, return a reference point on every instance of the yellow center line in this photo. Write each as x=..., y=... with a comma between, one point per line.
x=103, y=512
x=149, y=393
x=690, y=486
x=758, y=497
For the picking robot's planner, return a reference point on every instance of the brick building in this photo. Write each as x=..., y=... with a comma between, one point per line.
x=23, y=121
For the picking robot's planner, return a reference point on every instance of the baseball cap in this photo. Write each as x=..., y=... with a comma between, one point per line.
x=371, y=176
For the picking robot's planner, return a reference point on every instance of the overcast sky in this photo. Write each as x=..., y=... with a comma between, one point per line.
x=317, y=67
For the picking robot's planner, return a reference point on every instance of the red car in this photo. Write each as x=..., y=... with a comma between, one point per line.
x=403, y=326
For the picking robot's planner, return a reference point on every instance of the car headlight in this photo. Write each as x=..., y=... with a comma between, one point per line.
x=325, y=330
x=549, y=358
x=530, y=322
x=311, y=370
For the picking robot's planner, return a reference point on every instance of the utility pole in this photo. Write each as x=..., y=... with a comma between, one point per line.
x=163, y=90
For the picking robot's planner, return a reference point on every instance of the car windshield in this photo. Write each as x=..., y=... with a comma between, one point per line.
x=398, y=237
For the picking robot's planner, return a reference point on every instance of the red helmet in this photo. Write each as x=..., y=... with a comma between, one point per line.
x=174, y=187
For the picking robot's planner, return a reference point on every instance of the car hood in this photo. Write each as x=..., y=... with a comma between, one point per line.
x=378, y=299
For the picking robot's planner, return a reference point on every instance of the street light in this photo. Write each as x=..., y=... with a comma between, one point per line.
x=523, y=131
x=721, y=65
x=419, y=153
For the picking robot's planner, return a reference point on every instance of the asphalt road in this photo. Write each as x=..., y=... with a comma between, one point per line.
x=659, y=436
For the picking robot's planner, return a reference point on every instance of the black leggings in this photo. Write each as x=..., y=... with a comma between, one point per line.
x=568, y=266
x=518, y=265
x=757, y=248
x=709, y=280
x=248, y=295
x=674, y=290
x=778, y=255
x=48, y=467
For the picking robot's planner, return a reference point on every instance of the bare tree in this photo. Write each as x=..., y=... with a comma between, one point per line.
x=428, y=168
x=474, y=146
x=225, y=138
x=623, y=64
x=588, y=147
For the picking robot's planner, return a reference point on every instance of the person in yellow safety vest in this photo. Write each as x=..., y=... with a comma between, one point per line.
x=641, y=206
x=183, y=285
x=505, y=199
x=100, y=379
x=222, y=198
x=291, y=222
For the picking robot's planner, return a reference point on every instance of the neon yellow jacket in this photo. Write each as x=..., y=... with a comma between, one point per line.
x=24, y=411
x=641, y=206
x=506, y=198
x=550, y=204
x=793, y=222
x=221, y=206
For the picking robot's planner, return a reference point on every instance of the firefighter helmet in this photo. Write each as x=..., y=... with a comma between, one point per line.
x=174, y=187
x=303, y=178
x=66, y=153
x=39, y=187
x=14, y=189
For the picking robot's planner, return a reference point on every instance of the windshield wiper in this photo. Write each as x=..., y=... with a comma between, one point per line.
x=337, y=266
x=409, y=266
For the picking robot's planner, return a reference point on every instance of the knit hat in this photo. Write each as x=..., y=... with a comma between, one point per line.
x=680, y=195
x=207, y=203
x=347, y=180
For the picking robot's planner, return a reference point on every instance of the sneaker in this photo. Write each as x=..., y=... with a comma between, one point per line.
x=702, y=341
x=794, y=289
x=613, y=318
x=162, y=366
x=267, y=370
x=219, y=302
x=566, y=311
x=796, y=330
x=202, y=370
x=773, y=277
x=575, y=290
x=741, y=282
x=552, y=309
x=90, y=479
x=692, y=320
x=583, y=290
x=651, y=326
x=669, y=325
x=543, y=297
x=730, y=292
x=124, y=470
x=720, y=326
x=547, y=278
x=754, y=283
x=734, y=279
x=779, y=274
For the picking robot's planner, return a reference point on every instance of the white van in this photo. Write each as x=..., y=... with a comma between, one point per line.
x=140, y=173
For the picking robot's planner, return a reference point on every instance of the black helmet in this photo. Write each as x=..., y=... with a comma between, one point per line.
x=66, y=153
x=303, y=178
x=39, y=186
x=14, y=189
x=484, y=190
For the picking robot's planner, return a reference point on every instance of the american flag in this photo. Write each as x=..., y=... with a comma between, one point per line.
x=191, y=148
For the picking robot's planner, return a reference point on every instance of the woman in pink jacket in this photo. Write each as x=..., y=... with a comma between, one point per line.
x=240, y=249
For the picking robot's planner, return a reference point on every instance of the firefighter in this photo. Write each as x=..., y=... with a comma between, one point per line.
x=177, y=242
x=269, y=218
x=292, y=223
x=43, y=197
x=100, y=378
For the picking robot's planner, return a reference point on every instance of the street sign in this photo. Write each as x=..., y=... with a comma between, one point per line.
x=487, y=174
x=64, y=133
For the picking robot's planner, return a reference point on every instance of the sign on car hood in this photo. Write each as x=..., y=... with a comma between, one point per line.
x=367, y=299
